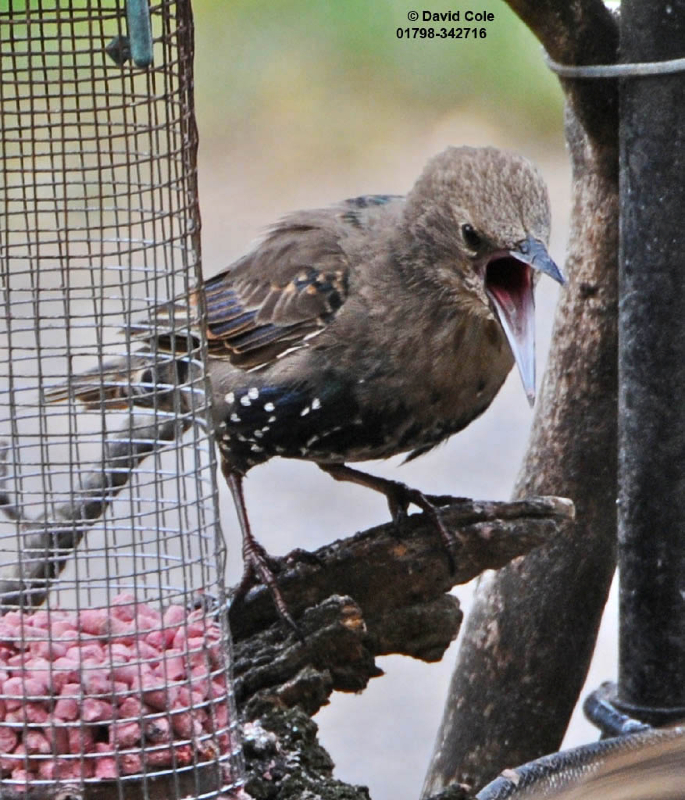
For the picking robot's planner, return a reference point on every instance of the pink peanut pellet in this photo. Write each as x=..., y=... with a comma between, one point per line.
x=172, y=666
x=8, y=739
x=125, y=734
x=34, y=713
x=143, y=687
x=124, y=606
x=17, y=690
x=131, y=707
x=80, y=739
x=116, y=651
x=185, y=725
x=22, y=777
x=158, y=730
x=159, y=758
x=66, y=708
x=45, y=649
x=96, y=681
x=36, y=742
x=94, y=621
x=83, y=652
x=58, y=736
x=94, y=710
x=14, y=760
x=65, y=670
x=106, y=768
x=174, y=615
x=130, y=763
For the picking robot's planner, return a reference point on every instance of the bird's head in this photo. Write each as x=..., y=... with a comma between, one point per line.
x=481, y=218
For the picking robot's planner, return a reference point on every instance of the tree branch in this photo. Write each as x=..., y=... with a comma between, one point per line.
x=45, y=545
x=371, y=594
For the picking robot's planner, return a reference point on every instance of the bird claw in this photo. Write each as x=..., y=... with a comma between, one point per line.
x=259, y=565
x=259, y=570
x=398, y=512
x=400, y=497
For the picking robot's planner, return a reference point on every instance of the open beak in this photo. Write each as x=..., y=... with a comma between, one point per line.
x=509, y=285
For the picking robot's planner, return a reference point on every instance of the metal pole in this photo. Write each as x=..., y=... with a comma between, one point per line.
x=652, y=367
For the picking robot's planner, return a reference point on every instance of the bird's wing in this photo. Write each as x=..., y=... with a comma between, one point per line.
x=271, y=301
x=287, y=290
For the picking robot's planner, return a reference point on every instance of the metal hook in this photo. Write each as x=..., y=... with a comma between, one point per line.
x=138, y=44
x=139, y=31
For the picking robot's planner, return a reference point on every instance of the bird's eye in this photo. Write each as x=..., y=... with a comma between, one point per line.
x=471, y=237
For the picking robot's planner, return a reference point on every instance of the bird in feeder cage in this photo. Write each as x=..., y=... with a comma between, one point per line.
x=380, y=325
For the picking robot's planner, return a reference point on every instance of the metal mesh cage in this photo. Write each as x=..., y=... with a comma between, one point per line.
x=119, y=682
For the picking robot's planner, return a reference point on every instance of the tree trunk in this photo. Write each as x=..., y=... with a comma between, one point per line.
x=530, y=637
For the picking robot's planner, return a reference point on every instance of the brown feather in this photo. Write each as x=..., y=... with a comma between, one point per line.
x=271, y=300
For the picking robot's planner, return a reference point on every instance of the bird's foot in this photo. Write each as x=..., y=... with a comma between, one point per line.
x=400, y=497
x=259, y=569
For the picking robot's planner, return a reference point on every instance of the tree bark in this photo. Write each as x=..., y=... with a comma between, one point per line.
x=280, y=680
x=530, y=637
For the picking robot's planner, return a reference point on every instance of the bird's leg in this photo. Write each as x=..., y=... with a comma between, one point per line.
x=399, y=497
x=255, y=556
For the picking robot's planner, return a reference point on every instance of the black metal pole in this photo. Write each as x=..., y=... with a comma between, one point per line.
x=652, y=367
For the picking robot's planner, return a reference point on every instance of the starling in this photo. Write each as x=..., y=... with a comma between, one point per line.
x=378, y=326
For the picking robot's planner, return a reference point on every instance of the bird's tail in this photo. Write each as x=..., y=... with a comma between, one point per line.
x=144, y=379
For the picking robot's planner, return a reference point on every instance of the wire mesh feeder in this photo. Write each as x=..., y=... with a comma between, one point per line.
x=118, y=685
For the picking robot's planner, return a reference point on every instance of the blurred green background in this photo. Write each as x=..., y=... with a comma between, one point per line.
x=303, y=68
